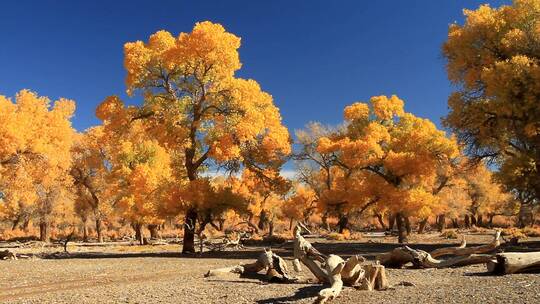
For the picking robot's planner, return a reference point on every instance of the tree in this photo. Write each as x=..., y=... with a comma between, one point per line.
x=196, y=107
x=300, y=205
x=396, y=158
x=35, y=144
x=140, y=172
x=90, y=176
x=493, y=58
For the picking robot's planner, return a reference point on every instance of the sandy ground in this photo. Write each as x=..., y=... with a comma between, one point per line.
x=160, y=275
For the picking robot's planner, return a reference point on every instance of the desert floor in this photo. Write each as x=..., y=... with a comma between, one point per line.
x=159, y=274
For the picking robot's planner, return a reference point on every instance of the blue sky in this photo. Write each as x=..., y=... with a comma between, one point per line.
x=314, y=57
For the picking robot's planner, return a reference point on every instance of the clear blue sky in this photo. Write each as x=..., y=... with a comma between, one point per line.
x=314, y=57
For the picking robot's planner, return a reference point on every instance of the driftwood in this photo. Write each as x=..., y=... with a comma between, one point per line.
x=330, y=269
x=514, y=262
x=335, y=271
x=7, y=255
x=462, y=255
x=274, y=266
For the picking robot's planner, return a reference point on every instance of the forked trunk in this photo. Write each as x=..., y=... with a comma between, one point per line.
x=189, y=231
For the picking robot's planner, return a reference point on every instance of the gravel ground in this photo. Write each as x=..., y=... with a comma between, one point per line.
x=160, y=278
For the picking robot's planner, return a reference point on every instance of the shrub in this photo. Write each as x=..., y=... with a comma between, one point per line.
x=513, y=233
x=449, y=234
x=531, y=231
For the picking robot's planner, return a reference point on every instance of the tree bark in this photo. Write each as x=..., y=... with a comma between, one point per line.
x=467, y=221
x=402, y=229
x=189, y=231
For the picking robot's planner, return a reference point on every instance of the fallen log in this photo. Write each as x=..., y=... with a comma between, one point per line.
x=7, y=255
x=274, y=266
x=463, y=250
x=463, y=255
x=514, y=262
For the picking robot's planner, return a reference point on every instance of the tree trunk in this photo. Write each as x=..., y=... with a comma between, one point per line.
x=16, y=222
x=291, y=221
x=391, y=221
x=515, y=262
x=525, y=216
x=407, y=225
x=402, y=229
x=44, y=235
x=324, y=220
x=26, y=223
x=154, y=232
x=343, y=223
x=467, y=221
x=490, y=220
x=480, y=220
x=381, y=221
x=189, y=231
x=263, y=220
x=473, y=220
x=271, y=228
x=441, y=222
x=85, y=231
x=455, y=223
x=422, y=226
x=139, y=236
x=98, y=230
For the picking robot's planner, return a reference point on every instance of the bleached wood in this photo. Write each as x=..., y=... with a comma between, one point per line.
x=463, y=250
x=515, y=262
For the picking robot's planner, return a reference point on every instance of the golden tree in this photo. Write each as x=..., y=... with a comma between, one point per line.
x=396, y=158
x=35, y=144
x=91, y=178
x=494, y=59
x=196, y=107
